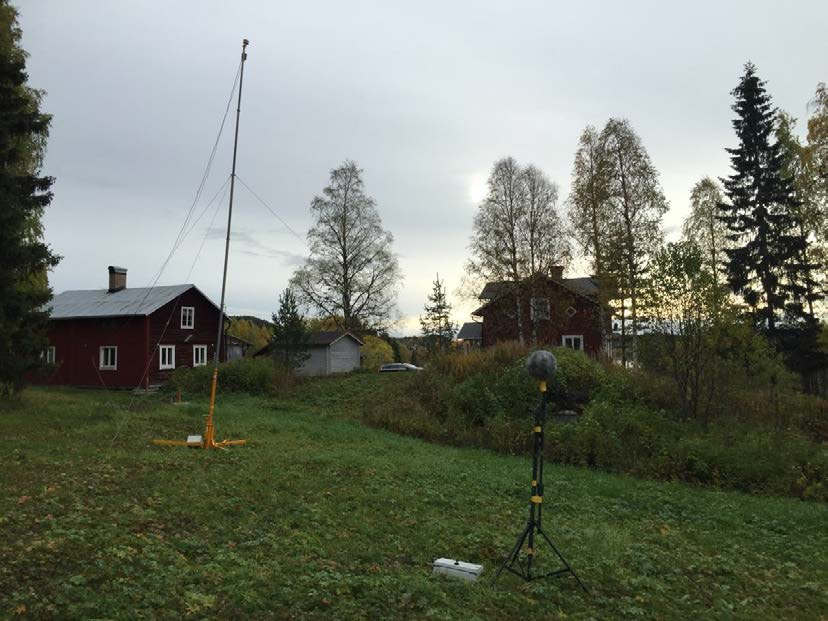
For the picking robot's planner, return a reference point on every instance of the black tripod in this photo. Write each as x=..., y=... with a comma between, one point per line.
x=513, y=562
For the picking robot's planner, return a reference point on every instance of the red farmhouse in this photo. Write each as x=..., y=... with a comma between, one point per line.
x=555, y=311
x=129, y=337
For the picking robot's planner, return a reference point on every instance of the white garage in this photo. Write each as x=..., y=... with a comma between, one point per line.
x=331, y=352
x=328, y=352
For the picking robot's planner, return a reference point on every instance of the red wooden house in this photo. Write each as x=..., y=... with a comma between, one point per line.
x=555, y=311
x=120, y=337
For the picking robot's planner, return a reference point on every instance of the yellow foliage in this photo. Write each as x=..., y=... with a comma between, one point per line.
x=375, y=353
x=245, y=329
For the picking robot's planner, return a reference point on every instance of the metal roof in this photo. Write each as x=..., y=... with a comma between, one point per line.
x=585, y=286
x=315, y=339
x=471, y=331
x=327, y=338
x=126, y=302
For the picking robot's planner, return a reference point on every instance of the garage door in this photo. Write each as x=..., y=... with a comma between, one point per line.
x=342, y=362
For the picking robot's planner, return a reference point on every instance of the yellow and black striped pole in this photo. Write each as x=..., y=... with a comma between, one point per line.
x=541, y=365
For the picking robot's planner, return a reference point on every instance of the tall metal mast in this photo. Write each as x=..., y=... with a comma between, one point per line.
x=208, y=441
x=245, y=43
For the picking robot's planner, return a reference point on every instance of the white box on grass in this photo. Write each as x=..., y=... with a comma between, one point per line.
x=457, y=569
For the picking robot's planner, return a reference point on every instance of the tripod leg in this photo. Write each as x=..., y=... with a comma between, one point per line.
x=513, y=554
x=563, y=560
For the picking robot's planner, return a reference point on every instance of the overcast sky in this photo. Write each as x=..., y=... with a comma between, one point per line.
x=425, y=96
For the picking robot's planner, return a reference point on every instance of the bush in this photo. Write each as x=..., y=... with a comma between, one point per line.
x=631, y=421
x=250, y=375
x=375, y=353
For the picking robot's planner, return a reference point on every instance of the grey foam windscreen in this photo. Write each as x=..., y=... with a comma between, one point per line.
x=541, y=365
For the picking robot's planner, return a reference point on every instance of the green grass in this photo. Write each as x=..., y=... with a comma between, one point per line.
x=321, y=517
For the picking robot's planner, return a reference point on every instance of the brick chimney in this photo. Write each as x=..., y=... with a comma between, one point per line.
x=117, y=278
x=556, y=272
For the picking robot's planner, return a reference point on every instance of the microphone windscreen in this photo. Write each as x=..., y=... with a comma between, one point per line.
x=541, y=365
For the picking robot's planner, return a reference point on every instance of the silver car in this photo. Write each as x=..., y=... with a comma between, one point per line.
x=399, y=366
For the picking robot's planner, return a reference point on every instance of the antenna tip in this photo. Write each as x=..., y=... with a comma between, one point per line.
x=245, y=42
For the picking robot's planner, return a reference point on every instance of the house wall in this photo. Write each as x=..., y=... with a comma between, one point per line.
x=165, y=329
x=344, y=355
x=500, y=319
x=77, y=345
x=316, y=363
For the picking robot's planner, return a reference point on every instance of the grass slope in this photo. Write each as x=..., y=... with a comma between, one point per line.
x=320, y=517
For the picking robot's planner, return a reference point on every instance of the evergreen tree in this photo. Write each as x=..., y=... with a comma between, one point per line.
x=395, y=347
x=24, y=194
x=437, y=326
x=764, y=265
x=289, y=344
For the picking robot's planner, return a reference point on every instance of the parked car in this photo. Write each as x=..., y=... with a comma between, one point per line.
x=399, y=366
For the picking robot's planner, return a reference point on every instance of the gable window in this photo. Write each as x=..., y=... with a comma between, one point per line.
x=167, y=354
x=573, y=341
x=188, y=317
x=50, y=355
x=199, y=355
x=108, y=358
x=539, y=308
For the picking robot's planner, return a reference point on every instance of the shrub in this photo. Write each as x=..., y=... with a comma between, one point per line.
x=631, y=421
x=250, y=375
x=376, y=352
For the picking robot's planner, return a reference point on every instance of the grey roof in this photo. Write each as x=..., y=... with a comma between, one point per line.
x=585, y=286
x=494, y=290
x=326, y=338
x=126, y=302
x=471, y=331
x=315, y=339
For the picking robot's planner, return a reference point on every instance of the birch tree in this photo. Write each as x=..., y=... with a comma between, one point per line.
x=517, y=231
x=637, y=204
x=588, y=205
x=703, y=226
x=352, y=274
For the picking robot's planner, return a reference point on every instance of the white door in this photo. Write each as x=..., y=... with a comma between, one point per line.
x=341, y=362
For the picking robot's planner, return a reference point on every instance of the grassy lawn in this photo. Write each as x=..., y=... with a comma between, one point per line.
x=321, y=517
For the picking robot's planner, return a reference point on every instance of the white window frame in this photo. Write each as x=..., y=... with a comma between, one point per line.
x=572, y=337
x=114, y=363
x=51, y=354
x=197, y=348
x=161, y=350
x=540, y=301
x=188, y=312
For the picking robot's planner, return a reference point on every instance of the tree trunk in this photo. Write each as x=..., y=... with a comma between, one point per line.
x=623, y=333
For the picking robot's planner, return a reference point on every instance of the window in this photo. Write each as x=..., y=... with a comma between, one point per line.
x=187, y=317
x=573, y=341
x=109, y=358
x=167, y=353
x=539, y=308
x=199, y=355
x=50, y=355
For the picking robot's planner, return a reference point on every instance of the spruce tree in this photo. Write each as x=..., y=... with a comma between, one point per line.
x=764, y=264
x=437, y=326
x=24, y=194
x=289, y=344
